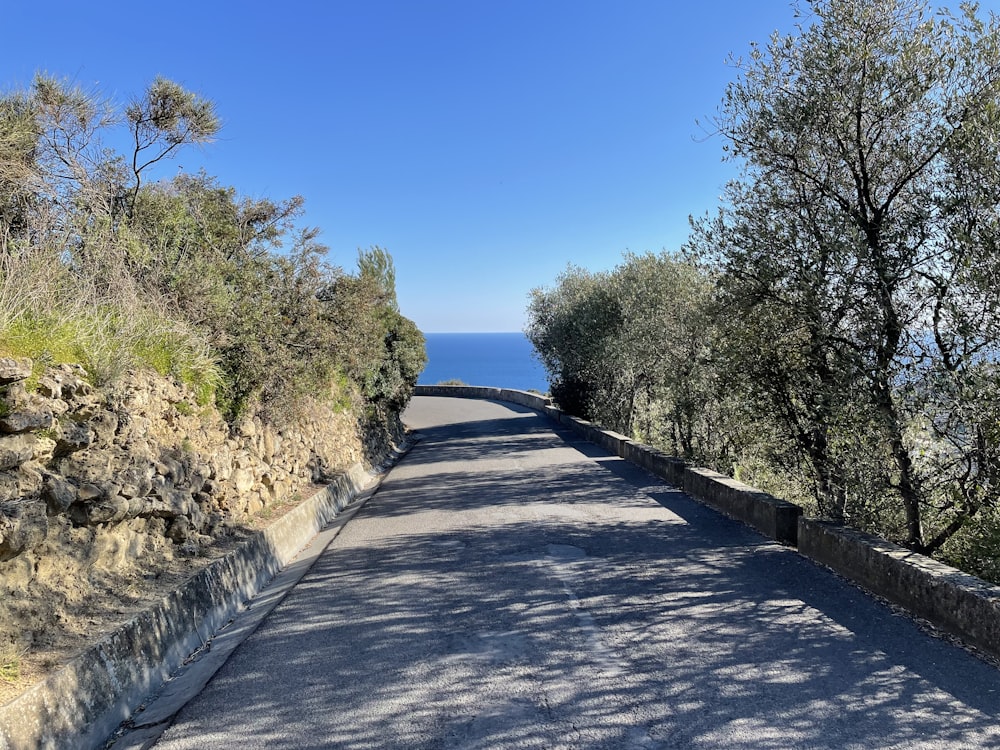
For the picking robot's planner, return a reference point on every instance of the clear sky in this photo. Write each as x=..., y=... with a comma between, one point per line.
x=485, y=143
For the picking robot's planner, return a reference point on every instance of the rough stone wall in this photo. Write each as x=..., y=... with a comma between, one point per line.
x=100, y=490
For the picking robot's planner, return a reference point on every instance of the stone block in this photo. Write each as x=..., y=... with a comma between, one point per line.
x=13, y=369
x=88, y=465
x=772, y=516
x=104, y=509
x=950, y=599
x=22, y=527
x=16, y=450
x=663, y=465
x=57, y=493
x=613, y=442
x=73, y=437
x=136, y=480
x=22, y=420
x=243, y=480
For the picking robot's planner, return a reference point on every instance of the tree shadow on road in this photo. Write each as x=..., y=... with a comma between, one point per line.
x=578, y=603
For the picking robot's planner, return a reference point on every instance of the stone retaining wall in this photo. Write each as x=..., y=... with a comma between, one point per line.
x=103, y=490
x=100, y=489
x=83, y=703
x=145, y=449
x=956, y=602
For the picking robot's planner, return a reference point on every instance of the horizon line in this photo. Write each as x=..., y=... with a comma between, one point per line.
x=476, y=332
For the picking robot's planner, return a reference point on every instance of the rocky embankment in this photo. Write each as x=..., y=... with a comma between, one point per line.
x=106, y=494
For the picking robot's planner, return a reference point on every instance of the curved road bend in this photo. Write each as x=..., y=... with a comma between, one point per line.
x=510, y=586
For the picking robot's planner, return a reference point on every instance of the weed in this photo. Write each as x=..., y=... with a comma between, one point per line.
x=50, y=433
x=10, y=665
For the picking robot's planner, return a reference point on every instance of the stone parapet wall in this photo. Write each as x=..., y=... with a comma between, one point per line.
x=772, y=516
x=953, y=601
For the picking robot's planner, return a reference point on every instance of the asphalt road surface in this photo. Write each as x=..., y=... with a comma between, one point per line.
x=510, y=586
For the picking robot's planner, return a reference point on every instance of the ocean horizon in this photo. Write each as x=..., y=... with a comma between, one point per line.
x=501, y=360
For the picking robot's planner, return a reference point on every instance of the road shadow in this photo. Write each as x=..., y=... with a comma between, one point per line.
x=599, y=607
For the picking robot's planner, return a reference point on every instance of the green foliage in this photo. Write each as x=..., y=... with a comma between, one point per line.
x=107, y=342
x=975, y=548
x=18, y=142
x=285, y=325
x=175, y=351
x=46, y=339
x=835, y=335
x=375, y=264
x=628, y=349
x=868, y=195
x=163, y=119
x=571, y=327
x=225, y=293
x=379, y=349
x=10, y=665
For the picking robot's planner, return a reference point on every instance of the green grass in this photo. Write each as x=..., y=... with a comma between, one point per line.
x=109, y=341
x=45, y=340
x=10, y=666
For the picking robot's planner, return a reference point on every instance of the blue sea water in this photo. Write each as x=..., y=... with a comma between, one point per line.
x=502, y=360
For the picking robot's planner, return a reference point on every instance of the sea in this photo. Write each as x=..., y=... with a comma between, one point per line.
x=501, y=360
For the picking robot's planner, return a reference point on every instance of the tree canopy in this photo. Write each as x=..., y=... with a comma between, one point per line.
x=849, y=354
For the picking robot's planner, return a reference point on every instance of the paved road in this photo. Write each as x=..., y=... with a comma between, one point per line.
x=512, y=587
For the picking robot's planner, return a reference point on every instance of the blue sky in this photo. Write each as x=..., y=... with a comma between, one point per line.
x=485, y=143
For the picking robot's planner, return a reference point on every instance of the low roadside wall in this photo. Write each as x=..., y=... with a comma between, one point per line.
x=524, y=398
x=956, y=602
x=83, y=703
x=776, y=518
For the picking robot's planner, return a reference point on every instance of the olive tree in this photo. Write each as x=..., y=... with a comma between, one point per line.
x=572, y=327
x=662, y=354
x=630, y=348
x=858, y=256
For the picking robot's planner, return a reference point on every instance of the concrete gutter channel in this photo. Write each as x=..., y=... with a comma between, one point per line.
x=950, y=600
x=123, y=691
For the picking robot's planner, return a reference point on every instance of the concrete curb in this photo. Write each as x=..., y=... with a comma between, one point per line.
x=951, y=600
x=83, y=703
x=155, y=715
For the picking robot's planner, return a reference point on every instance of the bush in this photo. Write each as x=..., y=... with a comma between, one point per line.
x=98, y=266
